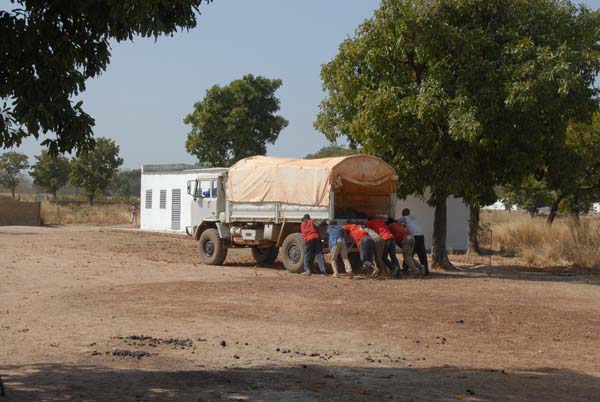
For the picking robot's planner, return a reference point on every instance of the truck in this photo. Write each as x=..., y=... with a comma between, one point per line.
x=259, y=203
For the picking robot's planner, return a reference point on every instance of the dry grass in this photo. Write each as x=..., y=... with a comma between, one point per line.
x=108, y=214
x=565, y=243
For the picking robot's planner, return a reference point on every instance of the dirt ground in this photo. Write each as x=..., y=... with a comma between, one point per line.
x=75, y=301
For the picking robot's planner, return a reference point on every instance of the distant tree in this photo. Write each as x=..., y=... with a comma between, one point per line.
x=11, y=165
x=126, y=183
x=530, y=195
x=462, y=95
x=93, y=171
x=50, y=172
x=235, y=121
x=50, y=48
x=331, y=151
x=573, y=173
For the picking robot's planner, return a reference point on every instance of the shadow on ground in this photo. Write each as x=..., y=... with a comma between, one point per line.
x=515, y=272
x=55, y=382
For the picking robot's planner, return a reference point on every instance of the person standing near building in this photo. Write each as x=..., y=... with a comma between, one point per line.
x=415, y=230
x=364, y=243
x=133, y=214
x=338, y=248
x=389, y=244
x=407, y=243
x=313, y=247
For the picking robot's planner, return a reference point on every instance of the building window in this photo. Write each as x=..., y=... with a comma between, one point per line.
x=148, y=199
x=163, y=199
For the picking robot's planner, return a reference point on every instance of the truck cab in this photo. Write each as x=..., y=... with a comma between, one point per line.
x=208, y=191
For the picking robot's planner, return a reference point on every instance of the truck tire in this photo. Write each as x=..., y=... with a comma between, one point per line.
x=293, y=253
x=211, y=247
x=265, y=255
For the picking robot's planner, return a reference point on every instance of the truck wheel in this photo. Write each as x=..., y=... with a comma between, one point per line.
x=265, y=255
x=293, y=253
x=212, y=248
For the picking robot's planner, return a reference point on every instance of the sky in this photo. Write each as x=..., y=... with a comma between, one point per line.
x=150, y=86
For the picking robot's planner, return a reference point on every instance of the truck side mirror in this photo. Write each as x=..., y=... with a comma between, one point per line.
x=192, y=189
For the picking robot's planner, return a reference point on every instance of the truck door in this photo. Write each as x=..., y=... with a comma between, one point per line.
x=208, y=200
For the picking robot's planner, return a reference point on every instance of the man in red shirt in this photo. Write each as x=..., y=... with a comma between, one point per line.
x=313, y=245
x=407, y=242
x=364, y=242
x=389, y=244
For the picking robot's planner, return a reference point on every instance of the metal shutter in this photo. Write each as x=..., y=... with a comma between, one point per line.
x=148, y=199
x=176, y=209
x=163, y=199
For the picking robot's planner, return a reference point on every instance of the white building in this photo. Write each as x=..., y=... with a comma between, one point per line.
x=165, y=204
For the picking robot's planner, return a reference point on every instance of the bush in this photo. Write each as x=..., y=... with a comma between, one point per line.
x=566, y=242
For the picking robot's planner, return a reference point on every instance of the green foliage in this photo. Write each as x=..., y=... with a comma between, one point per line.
x=460, y=95
x=93, y=171
x=50, y=172
x=49, y=49
x=11, y=165
x=235, y=121
x=331, y=151
x=126, y=183
x=530, y=195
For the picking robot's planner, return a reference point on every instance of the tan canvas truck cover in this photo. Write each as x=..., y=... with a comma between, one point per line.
x=307, y=181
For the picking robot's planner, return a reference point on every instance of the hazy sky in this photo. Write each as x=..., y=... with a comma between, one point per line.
x=148, y=88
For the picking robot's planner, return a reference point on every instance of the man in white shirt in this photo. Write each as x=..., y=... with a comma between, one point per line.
x=415, y=230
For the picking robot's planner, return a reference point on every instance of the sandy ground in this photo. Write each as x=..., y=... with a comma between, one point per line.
x=71, y=296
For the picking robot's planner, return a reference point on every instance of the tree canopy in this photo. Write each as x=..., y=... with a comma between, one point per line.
x=49, y=49
x=93, y=171
x=126, y=183
x=11, y=165
x=50, y=172
x=460, y=95
x=331, y=151
x=235, y=121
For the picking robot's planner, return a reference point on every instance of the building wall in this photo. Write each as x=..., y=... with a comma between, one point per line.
x=458, y=217
x=19, y=213
x=156, y=218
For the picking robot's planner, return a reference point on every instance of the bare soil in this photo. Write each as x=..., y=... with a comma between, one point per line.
x=90, y=314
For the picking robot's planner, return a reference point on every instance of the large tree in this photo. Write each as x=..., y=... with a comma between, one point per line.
x=93, y=171
x=460, y=95
x=51, y=172
x=235, y=121
x=331, y=151
x=11, y=165
x=50, y=48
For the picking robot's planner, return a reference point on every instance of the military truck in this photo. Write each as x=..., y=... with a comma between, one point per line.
x=259, y=203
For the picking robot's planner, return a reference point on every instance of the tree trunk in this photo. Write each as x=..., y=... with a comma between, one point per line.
x=12, y=190
x=473, y=245
x=91, y=199
x=576, y=209
x=439, y=253
x=554, y=208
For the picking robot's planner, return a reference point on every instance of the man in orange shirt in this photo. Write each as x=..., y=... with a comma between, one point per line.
x=389, y=244
x=407, y=242
x=364, y=242
x=313, y=247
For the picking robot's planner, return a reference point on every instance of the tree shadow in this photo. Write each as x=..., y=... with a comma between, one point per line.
x=58, y=382
x=516, y=272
